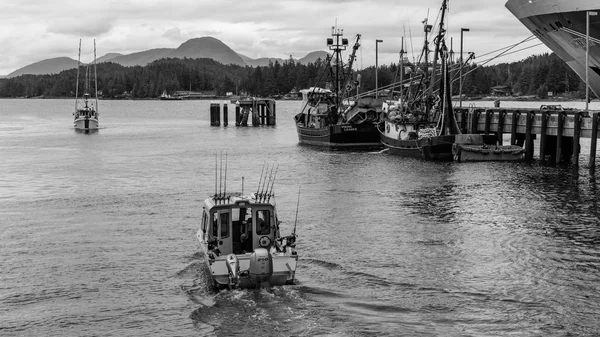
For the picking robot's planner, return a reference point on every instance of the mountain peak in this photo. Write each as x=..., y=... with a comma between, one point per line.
x=207, y=47
x=45, y=67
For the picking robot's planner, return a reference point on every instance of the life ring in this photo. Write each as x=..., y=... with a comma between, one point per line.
x=264, y=241
x=400, y=133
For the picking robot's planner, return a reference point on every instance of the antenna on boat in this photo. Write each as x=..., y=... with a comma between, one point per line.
x=242, y=185
x=77, y=82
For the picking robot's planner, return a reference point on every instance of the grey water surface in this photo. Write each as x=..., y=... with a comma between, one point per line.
x=97, y=233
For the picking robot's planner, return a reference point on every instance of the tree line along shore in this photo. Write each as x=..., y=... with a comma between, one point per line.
x=537, y=77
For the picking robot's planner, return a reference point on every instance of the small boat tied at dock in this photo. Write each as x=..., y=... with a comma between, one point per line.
x=330, y=117
x=471, y=147
x=240, y=238
x=86, y=112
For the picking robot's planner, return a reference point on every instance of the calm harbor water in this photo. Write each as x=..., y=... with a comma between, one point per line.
x=97, y=233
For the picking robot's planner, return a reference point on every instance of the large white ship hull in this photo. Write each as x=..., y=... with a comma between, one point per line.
x=561, y=25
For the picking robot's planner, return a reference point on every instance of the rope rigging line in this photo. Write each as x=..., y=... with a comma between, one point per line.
x=501, y=54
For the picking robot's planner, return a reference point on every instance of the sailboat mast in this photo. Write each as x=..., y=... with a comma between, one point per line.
x=77, y=81
x=95, y=77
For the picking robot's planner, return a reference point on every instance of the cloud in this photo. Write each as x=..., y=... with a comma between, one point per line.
x=175, y=34
x=85, y=26
x=31, y=30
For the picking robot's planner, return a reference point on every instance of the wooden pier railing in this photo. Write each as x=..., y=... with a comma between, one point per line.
x=560, y=131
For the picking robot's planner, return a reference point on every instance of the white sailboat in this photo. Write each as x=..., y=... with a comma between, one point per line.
x=86, y=110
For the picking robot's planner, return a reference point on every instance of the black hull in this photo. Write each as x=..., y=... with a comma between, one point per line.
x=432, y=148
x=364, y=135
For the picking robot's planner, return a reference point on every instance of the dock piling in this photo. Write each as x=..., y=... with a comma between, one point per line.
x=513, y=131
x=474, y=121
x=594, y=140
x=501, y=116
x=559, y=136
x=215, y=119
x=488, y=121
x=529, y=136
x=576, y=138
x=543, y=135
x=463, y=121
x=225, y=114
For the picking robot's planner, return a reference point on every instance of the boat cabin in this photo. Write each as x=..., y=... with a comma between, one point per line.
x=87, y=111
x=238, y=225
x=317, y=102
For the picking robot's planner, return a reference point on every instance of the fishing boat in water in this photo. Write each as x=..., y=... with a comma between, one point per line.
x=330, y=117
x=239, y=236
x=421, y=122
x=167, y=97
x=86, y=116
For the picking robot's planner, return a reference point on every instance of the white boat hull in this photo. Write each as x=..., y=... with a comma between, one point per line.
x=86, y=124
x=561, y=26
x=284, y=267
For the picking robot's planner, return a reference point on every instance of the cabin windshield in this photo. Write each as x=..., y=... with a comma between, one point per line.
x=263, y=222
x=224, y=225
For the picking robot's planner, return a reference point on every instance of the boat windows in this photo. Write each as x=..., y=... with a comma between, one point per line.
x=224, y=225
x=215, y=227
x=204, y=222
x=263, y=223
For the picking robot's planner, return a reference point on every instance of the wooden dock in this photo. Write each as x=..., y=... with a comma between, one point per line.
x=559, y=131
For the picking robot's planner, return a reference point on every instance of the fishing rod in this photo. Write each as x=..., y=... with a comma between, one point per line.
x=216, y=171
x=297, y=206
x=262, y=190
x=221, y=176
x=225, y=185
x=260, y=179
x=272, y=184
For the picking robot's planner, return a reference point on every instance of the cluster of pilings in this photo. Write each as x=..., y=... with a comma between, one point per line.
x=255, y=112
x=215, y=114
x=259, y=111
x=560, y=131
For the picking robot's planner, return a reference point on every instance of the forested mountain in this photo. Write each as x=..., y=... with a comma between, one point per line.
x=48, y=66
x=536, y=75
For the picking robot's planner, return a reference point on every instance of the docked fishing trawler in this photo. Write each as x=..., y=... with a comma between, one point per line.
x=421, y=123
x=240, y=238
x=328, y=116
x=86, y=112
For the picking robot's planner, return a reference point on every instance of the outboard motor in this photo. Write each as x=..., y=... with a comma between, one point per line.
x=261, y=266
x=233, y=266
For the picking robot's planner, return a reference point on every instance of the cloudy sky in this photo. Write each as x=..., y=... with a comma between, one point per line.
x=33, y=30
